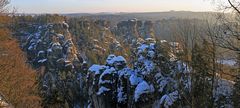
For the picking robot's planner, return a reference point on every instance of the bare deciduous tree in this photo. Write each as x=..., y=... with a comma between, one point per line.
x=3, y=6
x=227, y=28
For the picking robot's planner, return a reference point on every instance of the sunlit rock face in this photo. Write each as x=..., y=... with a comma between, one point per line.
x=96, y=39
x=129, y=29
x=102, y=24
x=133, y=29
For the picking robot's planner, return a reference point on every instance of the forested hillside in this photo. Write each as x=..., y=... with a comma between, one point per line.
x=86, y=62
x=18, y=86
x=175, y=59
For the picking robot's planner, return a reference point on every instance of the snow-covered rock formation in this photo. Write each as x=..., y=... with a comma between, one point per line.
x=62, y=74
x=144, y=85
x=153, y=76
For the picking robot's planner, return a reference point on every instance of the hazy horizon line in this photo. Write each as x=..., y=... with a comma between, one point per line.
x=114, y=12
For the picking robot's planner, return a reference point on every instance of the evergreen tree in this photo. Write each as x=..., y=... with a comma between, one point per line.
x=236, y=90
x=201, y=86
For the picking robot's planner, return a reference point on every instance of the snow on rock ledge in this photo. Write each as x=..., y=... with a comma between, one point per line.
x=142, y=88
x=96, y=68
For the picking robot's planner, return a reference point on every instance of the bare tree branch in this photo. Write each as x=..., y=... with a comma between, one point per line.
x=3, y=5
x=234, y=7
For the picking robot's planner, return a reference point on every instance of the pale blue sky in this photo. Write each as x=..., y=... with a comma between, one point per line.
x=95, y=6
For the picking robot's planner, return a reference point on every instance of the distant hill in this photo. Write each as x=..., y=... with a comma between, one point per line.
x=171, y=14
x=146, y=15
x=114, y=18
x=153, y=16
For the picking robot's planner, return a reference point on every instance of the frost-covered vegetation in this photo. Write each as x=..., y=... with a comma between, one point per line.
x=78, y=62
x=119, y=61
x=143, y=72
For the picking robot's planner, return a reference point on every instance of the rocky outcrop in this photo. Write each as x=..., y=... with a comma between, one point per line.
x=153, y=77
x=96, y=36
x=128, y=29
x=148, y=30
x=147, y=84
x=63, y=70
x=133, y=29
